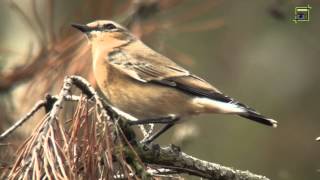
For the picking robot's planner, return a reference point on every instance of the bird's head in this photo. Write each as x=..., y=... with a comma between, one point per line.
x=105, y=31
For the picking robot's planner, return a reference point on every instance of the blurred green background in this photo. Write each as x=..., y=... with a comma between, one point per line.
x=251, y=50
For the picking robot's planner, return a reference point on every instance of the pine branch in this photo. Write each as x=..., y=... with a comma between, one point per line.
x=173, y=158
x=102, y=147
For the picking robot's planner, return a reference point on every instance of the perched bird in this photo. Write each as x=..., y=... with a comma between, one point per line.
x=150, y=86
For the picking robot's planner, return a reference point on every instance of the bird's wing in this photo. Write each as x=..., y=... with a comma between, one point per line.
x=152, y=69
x=155, y=68
x=143, y=69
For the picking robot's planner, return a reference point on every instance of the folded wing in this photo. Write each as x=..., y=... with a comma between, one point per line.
x=152, y=67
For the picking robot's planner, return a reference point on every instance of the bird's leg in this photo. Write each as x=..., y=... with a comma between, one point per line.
x=158, y=133
x=160, y=120
x=169, y=121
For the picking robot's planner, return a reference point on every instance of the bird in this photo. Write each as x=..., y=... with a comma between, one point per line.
x=149, y=86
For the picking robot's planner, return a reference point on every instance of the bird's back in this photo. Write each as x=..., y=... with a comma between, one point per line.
x=147, y=84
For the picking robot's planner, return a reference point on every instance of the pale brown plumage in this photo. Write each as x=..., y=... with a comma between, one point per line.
x=146, y=84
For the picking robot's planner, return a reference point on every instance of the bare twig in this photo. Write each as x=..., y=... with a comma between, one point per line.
x=36, y=107
x=47, y=104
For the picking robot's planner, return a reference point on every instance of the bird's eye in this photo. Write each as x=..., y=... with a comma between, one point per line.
x=109, y=26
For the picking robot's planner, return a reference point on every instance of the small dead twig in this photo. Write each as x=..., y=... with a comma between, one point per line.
x=36, y=107
x=43, y=103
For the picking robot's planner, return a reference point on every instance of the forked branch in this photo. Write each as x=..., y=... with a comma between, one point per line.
x=98, y=144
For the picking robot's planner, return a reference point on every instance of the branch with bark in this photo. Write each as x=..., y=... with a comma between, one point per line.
x=98, y=143
x=173, y=158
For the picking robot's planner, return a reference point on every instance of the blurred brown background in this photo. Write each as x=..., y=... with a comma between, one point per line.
x=251, y=50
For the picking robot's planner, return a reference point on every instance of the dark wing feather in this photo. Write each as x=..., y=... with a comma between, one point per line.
x=198, y=87
x=152, y=68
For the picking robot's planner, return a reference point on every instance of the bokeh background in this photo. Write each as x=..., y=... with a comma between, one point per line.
x=250, y=49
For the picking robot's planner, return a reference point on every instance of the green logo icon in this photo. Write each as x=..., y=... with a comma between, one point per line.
x=302, y=14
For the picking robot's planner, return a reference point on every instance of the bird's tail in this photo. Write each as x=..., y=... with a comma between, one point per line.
x=250, y=113
x=233, y=107
x=254, y=116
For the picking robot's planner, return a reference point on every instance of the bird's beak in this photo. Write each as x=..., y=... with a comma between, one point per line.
x=81, y=27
